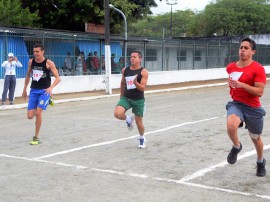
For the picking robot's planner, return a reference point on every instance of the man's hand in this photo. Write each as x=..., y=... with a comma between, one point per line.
x=235, y=84
x=24, y=94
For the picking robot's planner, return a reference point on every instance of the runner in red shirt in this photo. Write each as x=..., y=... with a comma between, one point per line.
x=247, y=80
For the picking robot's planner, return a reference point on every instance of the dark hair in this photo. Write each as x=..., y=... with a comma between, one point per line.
x=39, y=46
x=139, y=53
x=251, y=42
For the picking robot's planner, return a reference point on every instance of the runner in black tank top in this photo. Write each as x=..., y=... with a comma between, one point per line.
x=41, y=78
x=133, y=83
x=41, y=87
x=133, y=94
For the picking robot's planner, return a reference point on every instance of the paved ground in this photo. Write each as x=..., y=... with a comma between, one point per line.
x=88, y=155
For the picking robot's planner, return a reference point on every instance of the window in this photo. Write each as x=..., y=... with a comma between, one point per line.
x=181, y=55
x=151, y=55
x=197, y=56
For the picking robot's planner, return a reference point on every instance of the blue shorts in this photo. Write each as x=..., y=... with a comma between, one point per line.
x=38, y=98
x=253, y=117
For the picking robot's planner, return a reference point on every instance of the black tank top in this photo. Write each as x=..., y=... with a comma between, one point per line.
x=41, y=78
x=131, y=92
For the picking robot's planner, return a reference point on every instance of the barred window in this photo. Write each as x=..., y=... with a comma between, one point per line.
x=181, y=55
x=151, y=55
x=197, y=56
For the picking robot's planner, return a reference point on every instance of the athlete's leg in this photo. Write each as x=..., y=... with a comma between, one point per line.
x=140, y=125
x=233, y=123
x=31, y=113
x=258, y=143
x=38, y=121
x=122, y=106
x=120, y=113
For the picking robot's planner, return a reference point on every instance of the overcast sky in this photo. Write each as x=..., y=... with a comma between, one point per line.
x=163, y=7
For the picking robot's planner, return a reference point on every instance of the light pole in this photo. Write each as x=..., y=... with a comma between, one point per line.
x=171, y=3
x=107, y=47
x=125, y=20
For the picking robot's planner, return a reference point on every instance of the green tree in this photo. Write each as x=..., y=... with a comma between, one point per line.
x=13, y=15
x=72, y=14
x=158, y=26
x=233, y=17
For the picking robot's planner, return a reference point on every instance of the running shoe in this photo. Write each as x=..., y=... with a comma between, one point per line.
x=129, y=122
x=232, y=157
x=35, y=141
x=261, y=171
x=142, y=144
x=51, y=102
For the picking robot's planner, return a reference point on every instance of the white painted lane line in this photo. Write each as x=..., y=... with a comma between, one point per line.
x=43, y=161
x=142, y=176
x=226, y=190
x=202, y=172
x=123, y=139
x=213, y=188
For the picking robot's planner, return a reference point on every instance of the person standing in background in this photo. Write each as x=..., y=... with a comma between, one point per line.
x=10, y=78
x=96, y=62
x=80, y=64
x=68, y=62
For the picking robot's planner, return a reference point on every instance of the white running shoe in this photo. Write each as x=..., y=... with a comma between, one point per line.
x=142, y=144
x=129, y=122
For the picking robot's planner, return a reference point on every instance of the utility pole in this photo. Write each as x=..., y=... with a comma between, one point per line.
x=125, y=21
x=171, y=3
x=107, y=47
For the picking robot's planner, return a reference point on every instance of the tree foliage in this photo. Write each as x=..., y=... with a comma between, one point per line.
x=72, y=14
x=220, y=17
x=159, y=26
x=233, y=17
x=12, y=14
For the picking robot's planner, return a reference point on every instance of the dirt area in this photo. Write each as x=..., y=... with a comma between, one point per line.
x=20, y=100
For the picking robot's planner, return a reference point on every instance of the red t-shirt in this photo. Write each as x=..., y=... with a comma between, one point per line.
x=252, y=73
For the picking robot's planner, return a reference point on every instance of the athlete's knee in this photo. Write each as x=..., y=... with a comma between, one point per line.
x=254, y=136
x=232, y=128
x=117, y=114
x=138, y=120
x=31, y=114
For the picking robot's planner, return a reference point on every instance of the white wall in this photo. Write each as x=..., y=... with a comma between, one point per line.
x=72, y=84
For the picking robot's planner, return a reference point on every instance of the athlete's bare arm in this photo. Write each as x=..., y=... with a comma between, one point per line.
x=141, y=86
x=27, y=79
x=123, y=83
x=50, y=65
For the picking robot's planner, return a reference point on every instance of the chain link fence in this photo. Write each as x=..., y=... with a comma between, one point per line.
x=158, y=54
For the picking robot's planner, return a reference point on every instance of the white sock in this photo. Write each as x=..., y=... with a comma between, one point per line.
x=128, y=119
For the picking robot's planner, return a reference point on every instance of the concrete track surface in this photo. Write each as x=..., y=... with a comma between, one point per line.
x=88, y=155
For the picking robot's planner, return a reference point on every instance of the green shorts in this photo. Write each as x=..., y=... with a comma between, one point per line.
x=136, y=105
